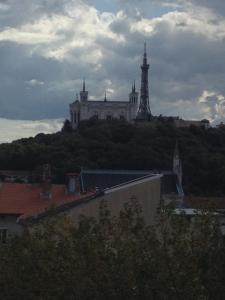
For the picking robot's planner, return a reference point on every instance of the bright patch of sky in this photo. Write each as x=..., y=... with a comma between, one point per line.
x=16, y=129
x=105, y=5
x=148, y=8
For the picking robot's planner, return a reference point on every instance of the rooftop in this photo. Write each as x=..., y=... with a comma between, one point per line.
x=25, y=199
x=102, y=179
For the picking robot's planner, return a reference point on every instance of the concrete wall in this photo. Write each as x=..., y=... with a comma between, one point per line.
x=188, y=123
x=146, y=192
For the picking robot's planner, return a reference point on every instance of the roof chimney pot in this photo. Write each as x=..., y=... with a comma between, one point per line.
x=73, y=183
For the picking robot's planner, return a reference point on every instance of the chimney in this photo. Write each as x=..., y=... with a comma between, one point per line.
x=46, y=182
x=73, y=183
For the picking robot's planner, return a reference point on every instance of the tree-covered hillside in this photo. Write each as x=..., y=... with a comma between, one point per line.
x=119, y=145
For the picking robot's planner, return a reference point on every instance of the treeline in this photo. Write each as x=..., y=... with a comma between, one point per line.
x=119, y=145
x=116, y=258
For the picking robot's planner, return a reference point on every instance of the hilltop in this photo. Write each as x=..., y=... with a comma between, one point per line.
x=117, y=144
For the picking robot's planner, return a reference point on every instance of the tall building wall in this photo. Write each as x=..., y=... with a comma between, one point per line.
x=145, y=192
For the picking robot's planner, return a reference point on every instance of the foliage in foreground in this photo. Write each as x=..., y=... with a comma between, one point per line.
x=116, y=258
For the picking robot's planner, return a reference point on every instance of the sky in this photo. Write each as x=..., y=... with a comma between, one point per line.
x=48, y=46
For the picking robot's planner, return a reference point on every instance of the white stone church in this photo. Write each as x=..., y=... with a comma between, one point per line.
x=83, y=108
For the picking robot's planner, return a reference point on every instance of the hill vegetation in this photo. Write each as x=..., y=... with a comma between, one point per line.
x=119, y=145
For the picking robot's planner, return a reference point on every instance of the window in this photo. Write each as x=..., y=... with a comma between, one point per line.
x=96, y=115
x=122, y=115
x=3, y=235
x=75, y=117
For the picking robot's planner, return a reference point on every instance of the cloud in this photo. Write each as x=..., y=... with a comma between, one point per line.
x=34, y=82
x=47, y=47
x=215, y=103
x=16, y=129
x=215, y=6
x=56, y=35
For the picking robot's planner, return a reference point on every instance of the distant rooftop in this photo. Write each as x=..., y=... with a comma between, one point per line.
x=25, y=199
x=102, y=179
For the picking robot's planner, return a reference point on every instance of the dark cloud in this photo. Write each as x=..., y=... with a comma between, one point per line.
x=186, y=55
x=15, y=13
x=18, y=99
x=217, y=6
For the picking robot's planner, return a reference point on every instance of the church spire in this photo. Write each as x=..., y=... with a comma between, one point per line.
x=177, y=166
x=84, y=93
x=133, y=87
x=105, y=99
x=133, y=96
x=144, y=112
x=177, y=170
x=83, y=84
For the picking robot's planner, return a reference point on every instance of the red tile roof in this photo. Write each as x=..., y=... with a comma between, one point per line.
x=25, y=199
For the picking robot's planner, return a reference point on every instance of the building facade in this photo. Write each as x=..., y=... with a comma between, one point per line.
x=135, y=108
x=22, y=203
x=187, y=123
x=25, y=204
x=84, y=109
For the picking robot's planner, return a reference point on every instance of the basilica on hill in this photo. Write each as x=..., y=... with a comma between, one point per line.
x=135, y=108
x=131, y=109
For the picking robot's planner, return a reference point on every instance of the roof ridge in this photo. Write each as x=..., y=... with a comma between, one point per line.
x=110, y=171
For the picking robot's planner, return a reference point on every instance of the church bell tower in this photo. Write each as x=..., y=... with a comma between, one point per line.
x=144, y=112
x=84, y=93
x=133, y=96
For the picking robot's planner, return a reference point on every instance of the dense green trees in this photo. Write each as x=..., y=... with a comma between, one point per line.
x=119, y=145
x=116, y=258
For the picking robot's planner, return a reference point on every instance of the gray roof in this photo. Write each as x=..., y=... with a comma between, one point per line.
x=102, y=179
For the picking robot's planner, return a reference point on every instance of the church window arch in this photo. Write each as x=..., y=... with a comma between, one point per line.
x=96, y=115
x=122, y=115
x=108, y=116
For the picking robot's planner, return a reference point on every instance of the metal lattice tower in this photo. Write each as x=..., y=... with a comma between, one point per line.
x=144, y=112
